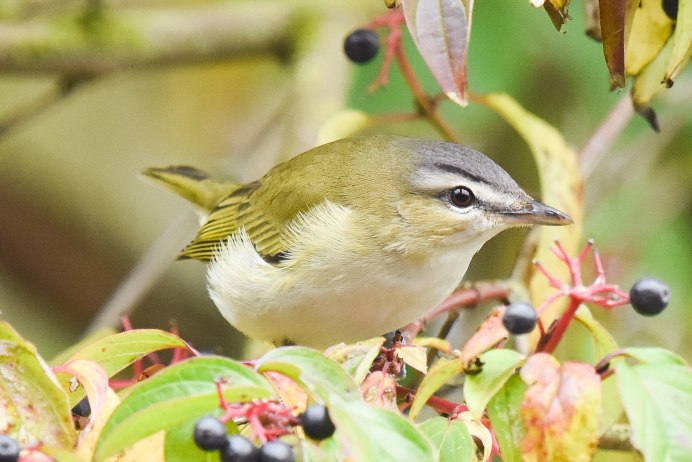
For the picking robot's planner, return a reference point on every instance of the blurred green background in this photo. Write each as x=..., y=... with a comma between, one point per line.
x=76, y=219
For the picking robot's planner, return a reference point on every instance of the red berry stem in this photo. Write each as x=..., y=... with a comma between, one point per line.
x=599, y=292
x=555, y=334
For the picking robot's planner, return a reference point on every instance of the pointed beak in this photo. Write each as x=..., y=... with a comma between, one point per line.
x=536, y=213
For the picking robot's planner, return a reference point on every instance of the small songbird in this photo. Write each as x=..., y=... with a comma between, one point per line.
x=351, y=239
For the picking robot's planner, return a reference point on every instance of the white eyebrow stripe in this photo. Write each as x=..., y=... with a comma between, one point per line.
x=435, y=181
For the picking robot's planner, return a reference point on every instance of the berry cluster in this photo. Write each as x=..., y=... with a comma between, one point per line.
x=210, y=433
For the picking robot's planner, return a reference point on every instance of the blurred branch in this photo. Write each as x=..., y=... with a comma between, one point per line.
x=125, y=38
x=145, y=274
x=61, y=89
x=605, y=135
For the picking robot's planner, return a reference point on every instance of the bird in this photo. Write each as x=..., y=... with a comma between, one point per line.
x=351, y=239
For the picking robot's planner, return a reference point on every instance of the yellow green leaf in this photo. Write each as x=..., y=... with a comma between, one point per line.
x=356, y=358
x=651, y=29
x=498, y=367
x=650, y=81
x=414, y=356
x=682, y=42
x=343, y=124
x=433, y=342
x=439, y=374
x=561, y=187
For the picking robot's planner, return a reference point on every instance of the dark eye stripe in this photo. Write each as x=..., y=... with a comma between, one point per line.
x=461, y=172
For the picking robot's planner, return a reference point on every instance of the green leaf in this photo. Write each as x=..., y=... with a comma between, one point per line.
x=70, y=351
x=451, y=438
x=504, y=411
x=357, y=358
x=31, y=400
x=439, y=374
x=654, y=355
x=374, y=433
x=604, y=343
x=115, y=352
x=175, y=395
x=498, y=367
x=180, y=446
x=317, y=374
x=658, y=403
x=59, y=454
x=327, y=451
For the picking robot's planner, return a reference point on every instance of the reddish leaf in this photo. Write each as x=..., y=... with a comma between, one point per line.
x=93, y=379
x=289, y=391
x=560, y=410
x=441, y=30
x=616, y=22
x=379, y=389
x=489, y=334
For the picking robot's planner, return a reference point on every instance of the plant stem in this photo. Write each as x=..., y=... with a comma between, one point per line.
x=440, y=405
x=561, y=326
x=424, y=101
x=463, y=298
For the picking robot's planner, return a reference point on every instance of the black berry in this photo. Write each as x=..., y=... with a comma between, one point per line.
x=649, y=296
x=239, y=449
x=519, y=318
x=276, y=451
x=670, y=7
x=316, y=422
x=82, y=408
x=9, y=449
x=361, y=45
x=210, y=434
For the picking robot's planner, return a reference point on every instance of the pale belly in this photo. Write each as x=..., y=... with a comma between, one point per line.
x=324, y=303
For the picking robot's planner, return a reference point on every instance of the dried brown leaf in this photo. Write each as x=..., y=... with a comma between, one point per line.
x=379, y=389
x=616, y=22
x=558, y=10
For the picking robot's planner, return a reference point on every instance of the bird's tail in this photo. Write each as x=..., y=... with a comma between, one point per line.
x=192, y=184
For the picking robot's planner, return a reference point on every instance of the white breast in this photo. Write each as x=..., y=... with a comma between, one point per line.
x=324, y=294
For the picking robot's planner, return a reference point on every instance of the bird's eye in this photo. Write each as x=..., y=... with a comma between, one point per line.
x=461, y=197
